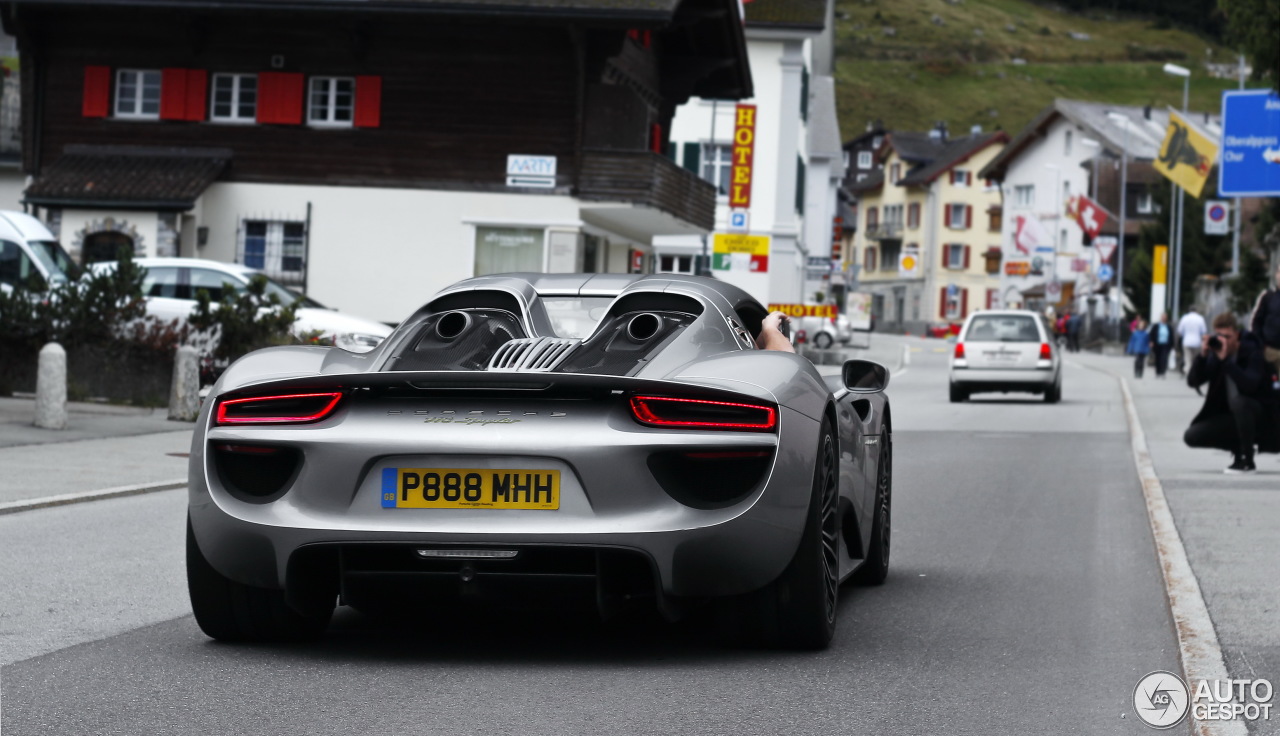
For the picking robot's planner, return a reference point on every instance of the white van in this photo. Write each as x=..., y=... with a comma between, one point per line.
x=28, y=249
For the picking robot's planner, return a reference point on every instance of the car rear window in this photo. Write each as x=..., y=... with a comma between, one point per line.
x=1003, y=328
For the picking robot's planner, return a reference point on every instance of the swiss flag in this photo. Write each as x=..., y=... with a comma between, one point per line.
x=1089, y=216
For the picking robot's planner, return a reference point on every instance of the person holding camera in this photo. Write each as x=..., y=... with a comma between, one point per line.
x=1239, y=410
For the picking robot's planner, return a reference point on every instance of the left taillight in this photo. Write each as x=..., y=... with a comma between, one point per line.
x=1046, y=353
x=682, y=413
x=297, y=408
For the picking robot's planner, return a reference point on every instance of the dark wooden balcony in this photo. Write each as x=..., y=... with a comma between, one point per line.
x=648, y=179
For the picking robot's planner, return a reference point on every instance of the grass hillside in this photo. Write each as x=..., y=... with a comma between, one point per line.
x=996, y=63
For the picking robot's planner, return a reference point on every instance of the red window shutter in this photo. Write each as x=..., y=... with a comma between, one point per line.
x=280, y=98
x=964, y=303
x=655, y=138
x=942, y=303
x=968, y=216
x=951, y=177
x=991, y=298
x=97, y=92
x=173, y=94
x=197, y=94
x=966, y=256
x=946, y=255
x=368, y=102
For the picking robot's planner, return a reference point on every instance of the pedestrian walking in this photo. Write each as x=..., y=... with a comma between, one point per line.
x=1139, y=346
x=1073, y=331
x=1161, y=338
x=1266, y=324
x=1191, y=331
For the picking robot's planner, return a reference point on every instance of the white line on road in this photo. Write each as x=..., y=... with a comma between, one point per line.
x=27, y=504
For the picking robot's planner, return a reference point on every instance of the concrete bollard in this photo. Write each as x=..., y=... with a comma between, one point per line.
x=51, y=388
x=184, y=391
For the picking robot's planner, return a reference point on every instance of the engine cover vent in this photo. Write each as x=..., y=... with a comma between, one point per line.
x=532, y=354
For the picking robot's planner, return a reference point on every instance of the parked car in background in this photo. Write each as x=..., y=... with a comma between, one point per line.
x=28, y=250
x=824, y=332
x=1006, y=350
x=171, y=284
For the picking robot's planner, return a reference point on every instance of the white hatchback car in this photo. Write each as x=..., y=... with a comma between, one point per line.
x=171, y=283
x=1006, y=350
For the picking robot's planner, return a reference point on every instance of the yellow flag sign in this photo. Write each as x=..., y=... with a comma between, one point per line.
x=1186, y=156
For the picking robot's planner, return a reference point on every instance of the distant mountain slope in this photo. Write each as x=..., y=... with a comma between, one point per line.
x=993, y=63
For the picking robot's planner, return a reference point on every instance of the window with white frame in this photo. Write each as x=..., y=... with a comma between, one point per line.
x=953, y=253
x=957, y=216
x=1145, y=204
x=893, y=217
x=953, y=304
x=138, y=93
x=960, y=177
x=717, y=162
x=895, y=173
x=1024, y=196
x=332, y=101
x=675, y=264
x=275, y=247
x=864, y=159
x=235, y=98
x=1066, y=144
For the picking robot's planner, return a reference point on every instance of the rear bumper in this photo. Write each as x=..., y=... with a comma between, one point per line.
x=988, y=379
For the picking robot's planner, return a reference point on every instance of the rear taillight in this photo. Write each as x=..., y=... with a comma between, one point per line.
x=801, y=337
x=281, y=409
x=959, y=351
x=675, y=413
x=1045, y=353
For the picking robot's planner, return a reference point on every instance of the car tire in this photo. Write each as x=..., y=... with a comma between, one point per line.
x=798, y=610
x=875, y=568
x=230, y=611
x=822, y=341
x=958, y=394
x=1053, y=394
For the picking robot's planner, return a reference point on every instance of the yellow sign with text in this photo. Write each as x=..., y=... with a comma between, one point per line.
x=756, y=245
x=1186, y=157
x=1160, y=265
x=805, y=310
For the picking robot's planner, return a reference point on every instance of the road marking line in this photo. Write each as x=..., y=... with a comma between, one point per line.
x=28, y=504
x=1197, y=640
x=904, y=362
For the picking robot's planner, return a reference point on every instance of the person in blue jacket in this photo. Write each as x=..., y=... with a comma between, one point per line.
x=1139, y=346
x=1161, y=337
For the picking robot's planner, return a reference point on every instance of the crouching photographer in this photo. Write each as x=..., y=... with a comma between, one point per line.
x=1242, y=408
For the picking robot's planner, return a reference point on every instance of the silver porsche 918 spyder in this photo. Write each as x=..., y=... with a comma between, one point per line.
x=523, y=438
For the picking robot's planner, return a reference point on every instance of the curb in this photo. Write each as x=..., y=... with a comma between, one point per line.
x=1198, y=646
x=29, y=504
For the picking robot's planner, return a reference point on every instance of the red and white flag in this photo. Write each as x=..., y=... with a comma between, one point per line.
x=1089, y=216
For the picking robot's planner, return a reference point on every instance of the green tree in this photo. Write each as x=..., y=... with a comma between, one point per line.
x=1202, y=255
x=1253, y=26
x=244, y=321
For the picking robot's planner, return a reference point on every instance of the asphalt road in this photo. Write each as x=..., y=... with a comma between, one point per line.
x=1024, y=597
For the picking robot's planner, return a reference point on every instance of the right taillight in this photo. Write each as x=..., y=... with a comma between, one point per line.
x=1045, y=351
x=680, y=413
x=959, y=353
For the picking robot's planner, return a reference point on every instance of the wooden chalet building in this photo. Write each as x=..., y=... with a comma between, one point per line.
x=370, y=151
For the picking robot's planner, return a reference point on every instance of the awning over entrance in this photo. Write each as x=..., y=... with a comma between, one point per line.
x=128, y=177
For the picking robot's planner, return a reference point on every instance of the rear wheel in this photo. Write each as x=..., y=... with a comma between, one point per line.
x=875, y=568
x=822, y=341
x=798, y=610
x=958, y=394
x=231, y=611
x=1053, y=394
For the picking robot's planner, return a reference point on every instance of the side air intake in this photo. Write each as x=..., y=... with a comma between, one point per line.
x=532, y=354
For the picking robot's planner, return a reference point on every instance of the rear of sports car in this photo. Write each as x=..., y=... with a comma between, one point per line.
x=405, y=488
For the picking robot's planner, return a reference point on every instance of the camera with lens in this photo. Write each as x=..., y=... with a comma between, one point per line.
x=1215, y=343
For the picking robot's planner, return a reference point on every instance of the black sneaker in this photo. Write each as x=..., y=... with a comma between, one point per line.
x=1242, y=464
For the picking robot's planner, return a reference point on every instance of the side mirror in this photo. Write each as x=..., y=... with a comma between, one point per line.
x=864, y=377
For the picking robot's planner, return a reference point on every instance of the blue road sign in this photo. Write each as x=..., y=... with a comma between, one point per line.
x=1104, y=272
x=1250, y=163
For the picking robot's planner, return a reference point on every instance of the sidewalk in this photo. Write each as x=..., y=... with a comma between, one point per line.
x=1228, y=523
x=103, y=446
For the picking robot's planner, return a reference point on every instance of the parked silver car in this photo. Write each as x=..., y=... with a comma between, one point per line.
x=1006, y=351
x=612, y=440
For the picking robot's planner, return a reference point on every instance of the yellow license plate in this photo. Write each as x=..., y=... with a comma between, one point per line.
x=469, y=488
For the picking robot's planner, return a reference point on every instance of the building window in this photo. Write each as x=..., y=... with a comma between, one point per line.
x=277, y=248
x=869, y=259
x=954, y=309
x=717, y=160
x=508, y=249
x=995, y=220
x=1066, y=144
x=864, y=159
x=961, y=178
x=895, y=173
x=993, y=258
x=875, y=142
x=1066, y=191
x=873, y=217
x=861, y=177
x=893, y=218
x=332, y=101
x=675, y=264
x=235, y=98
x=958, y=216
x=890, y=251
x=953, y=256
x=992, y=299
x=1145, y=204
x=1024, y=196
x=913, y=215
x=138, y=93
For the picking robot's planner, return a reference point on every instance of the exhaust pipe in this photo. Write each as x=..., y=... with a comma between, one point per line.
x=452, y=324
x=643, y=326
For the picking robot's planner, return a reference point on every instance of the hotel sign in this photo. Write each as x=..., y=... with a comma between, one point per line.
x=744, y=146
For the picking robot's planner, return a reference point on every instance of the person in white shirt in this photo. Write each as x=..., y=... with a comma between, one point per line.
x=1191, y=331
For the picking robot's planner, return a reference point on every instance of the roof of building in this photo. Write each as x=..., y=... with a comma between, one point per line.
x=128, y=177
x=1138, y=130
x=824, y=123
x=949, y=154
x=798, y=14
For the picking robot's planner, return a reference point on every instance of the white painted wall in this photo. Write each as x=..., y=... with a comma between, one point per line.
x=12, y=184
x=379, y=253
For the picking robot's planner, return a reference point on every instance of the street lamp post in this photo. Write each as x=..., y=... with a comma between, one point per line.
x=1178, y=71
